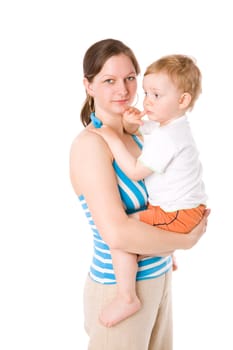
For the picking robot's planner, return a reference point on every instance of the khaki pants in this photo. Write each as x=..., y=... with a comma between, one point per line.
x=149, y=329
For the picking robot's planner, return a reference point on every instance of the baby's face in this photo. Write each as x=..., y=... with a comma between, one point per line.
x=162, y=98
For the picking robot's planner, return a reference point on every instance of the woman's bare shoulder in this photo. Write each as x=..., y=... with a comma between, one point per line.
x=87, y=142
x=88, y=151
x=82, y=137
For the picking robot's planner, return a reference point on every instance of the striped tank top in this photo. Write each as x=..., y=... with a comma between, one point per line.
x=134, y=198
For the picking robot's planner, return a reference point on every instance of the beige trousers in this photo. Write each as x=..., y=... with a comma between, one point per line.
x=149, y=329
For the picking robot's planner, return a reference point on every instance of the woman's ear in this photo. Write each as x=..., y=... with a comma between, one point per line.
x=185, y=100
x=88, y=86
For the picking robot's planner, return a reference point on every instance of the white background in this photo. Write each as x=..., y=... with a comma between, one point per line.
x=45, y=247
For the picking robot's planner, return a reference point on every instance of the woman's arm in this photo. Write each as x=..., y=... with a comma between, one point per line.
x=93, y=176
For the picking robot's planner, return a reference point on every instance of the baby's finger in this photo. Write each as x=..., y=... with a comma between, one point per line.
x=142, y=114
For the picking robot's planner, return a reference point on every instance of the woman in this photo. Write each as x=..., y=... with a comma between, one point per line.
x=107, y=196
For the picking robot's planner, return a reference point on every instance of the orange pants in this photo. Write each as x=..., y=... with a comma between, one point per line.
x=182, y=221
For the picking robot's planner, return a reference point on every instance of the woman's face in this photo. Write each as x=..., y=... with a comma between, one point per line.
x=115, y=86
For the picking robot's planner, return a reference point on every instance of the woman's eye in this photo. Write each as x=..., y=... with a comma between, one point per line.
x=109, y=81
x=131, y=78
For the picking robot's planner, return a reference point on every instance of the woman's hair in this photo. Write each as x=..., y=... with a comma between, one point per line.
x=183, y=71
x=94, y=59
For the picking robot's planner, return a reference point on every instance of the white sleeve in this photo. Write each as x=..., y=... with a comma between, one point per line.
x=148, y=127
x=158, y=151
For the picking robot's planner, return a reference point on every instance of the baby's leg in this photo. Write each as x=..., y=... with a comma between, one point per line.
x=126, y=302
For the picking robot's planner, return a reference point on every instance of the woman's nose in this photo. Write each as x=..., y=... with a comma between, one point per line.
x=122, y=88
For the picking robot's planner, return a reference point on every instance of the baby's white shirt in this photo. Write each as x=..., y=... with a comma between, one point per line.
x=171, y=153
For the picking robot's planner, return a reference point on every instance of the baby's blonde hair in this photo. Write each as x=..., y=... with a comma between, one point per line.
x=183, y=71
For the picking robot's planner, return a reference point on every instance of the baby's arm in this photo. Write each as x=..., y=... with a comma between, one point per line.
x=133, y=115
x=132, y=120
x=129, y=164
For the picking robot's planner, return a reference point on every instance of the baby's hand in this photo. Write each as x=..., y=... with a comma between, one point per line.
x=108, y=134
x=132, y=115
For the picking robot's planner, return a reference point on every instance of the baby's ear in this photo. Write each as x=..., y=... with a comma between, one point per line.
x=185, y=100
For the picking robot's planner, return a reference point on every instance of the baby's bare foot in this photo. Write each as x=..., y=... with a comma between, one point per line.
x=118, y=310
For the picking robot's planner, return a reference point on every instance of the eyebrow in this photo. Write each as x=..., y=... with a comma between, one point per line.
x=152, y=89
x=111, y=75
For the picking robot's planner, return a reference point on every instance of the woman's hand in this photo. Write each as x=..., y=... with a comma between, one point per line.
x=198, y=231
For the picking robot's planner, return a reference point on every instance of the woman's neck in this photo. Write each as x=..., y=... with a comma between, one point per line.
x=113, y=121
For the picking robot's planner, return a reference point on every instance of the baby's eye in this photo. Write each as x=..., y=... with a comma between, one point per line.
x=153, y=95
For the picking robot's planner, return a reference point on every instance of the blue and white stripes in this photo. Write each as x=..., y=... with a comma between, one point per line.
x=134, y=197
